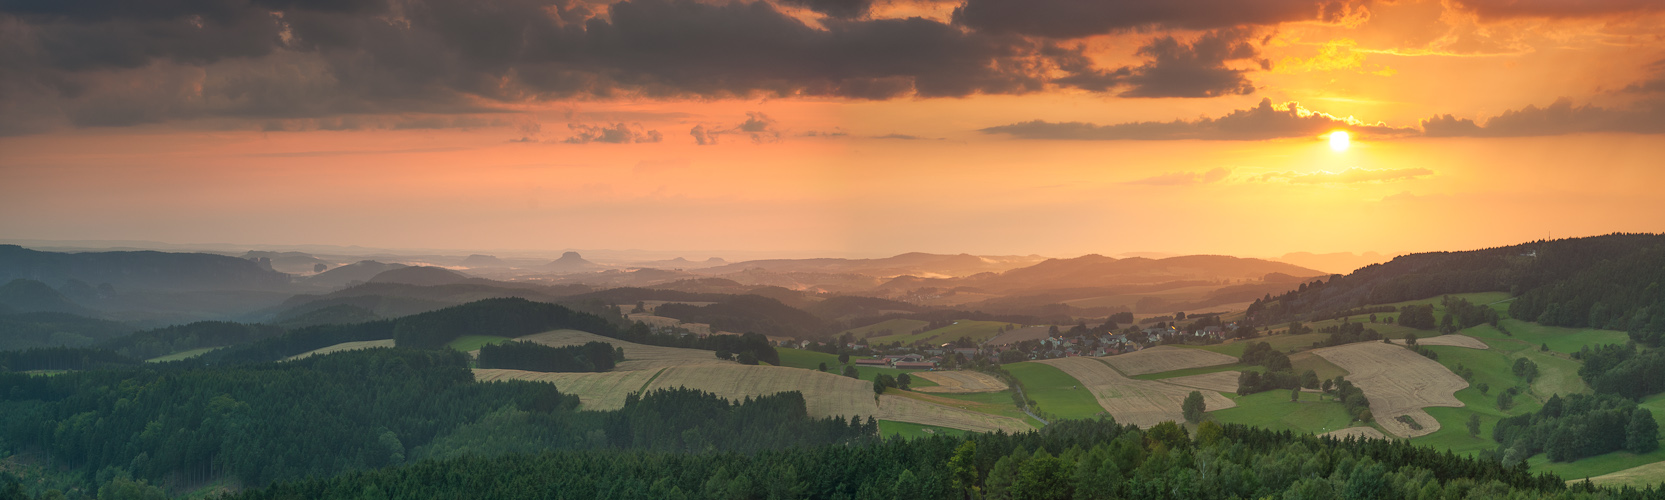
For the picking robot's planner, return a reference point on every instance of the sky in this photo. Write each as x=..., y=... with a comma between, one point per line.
x=833, y=127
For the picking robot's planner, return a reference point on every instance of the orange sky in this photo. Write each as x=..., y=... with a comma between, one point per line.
x=825, y=172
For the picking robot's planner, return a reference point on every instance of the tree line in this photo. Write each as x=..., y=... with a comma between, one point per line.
x=532, y=356
x=1087, y=460
x=1578, y=426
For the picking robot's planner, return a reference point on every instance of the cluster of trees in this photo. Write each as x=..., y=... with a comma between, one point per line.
x=1279, y=374
x=180, y=423
x=532, y=356
x=1410, y=343
x=1623, y=370
x=883, y=381
x=1351, y=397
x=1088, y=460
x=1420, y=317
x=506, y=317
x=1578, y=426
x=1460, y=314
x=168, y=340
x=748, y=313
x=1346, y=333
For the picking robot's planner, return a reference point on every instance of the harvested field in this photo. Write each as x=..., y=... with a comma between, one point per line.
x=1398, y=382
x=960, y=382
x=595, y=391
x=1217, y=381
x=1140, y=402
x=1360, y=432
x=1450, y=340
x=344, y=346
x=636, y=356
x=903, y=409
x=826, y=395
x=1166, y=358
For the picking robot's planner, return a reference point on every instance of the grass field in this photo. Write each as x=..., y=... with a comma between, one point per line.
x=1273, y=410
x=1166, y=358
x=800, y=358
x=181, y=355
x=906, y=430
x=469, y=343
x=977, y=331
x=1566, y=340
x=1304, y=361
x=895, y=326
x=1056, y=392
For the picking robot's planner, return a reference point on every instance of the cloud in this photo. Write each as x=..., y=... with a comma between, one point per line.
x=1184, y=178
x=1265, y=121
x=1349, y=176
x=1079, y=18
x=107, y=63
x=1505, y=9
x=1197, y=69
x=618, y=133
x=902, y=137
x=758, y=127
x=1559, y=118
x=841, y=9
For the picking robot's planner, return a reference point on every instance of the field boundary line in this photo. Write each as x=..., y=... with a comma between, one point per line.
x=650, y=380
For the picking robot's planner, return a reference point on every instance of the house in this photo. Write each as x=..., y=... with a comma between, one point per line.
x=915, y=365
x=905, y=357
x=968, y=352
x=872, y=362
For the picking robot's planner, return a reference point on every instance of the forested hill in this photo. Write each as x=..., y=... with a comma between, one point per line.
x=1604, y=281
x=146, y=269
x=1087, y=460
x=179, y=425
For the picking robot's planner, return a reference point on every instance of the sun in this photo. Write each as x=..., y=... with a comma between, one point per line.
x=1339, y=141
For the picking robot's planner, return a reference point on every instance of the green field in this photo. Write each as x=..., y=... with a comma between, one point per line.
x=800, y=358
x=976, y=331
x=468, y=343
x=909, y=430
x=1397, y=332
x=1273, y=410
x=181, y=355
x=1056, y=392
x=1565, y=340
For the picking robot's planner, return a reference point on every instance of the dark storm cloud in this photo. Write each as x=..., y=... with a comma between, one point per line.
x=1266, y=121
x=1504, y=9
x=121, y=63
x=1078, y=18
x=1559, y=118
x=1197, y=69
x=842, y=9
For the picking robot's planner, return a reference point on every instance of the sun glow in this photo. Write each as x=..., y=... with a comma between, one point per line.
x=1339, y=141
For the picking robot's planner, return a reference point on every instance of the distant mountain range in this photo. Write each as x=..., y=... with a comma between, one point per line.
x=141, y=269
